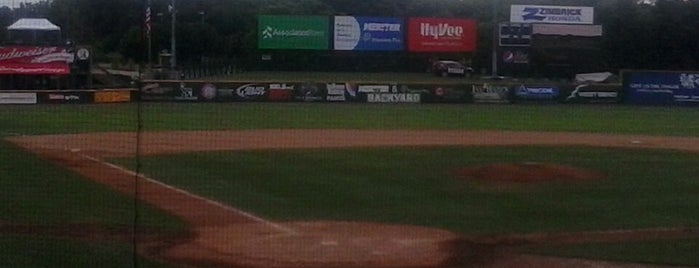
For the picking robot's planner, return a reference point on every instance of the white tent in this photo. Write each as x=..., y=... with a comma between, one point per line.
x=34, y=24
x=33, y=32
x=595, y=77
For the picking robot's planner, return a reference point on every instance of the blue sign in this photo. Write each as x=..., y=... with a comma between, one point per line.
x=551, y=14
x=536, y=93
x=365, y=33
x=659, y=87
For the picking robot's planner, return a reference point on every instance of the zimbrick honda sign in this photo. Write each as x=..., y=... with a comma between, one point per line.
x=441, y=35
x=293, y=32
x=35, y=60
x=551, y=14
x=364, y=33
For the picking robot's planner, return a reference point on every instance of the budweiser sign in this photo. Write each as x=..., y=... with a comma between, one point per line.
x=441, y=35
x=34, y=55
x=35, y=60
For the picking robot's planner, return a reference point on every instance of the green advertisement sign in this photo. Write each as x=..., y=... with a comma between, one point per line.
x=293, y=32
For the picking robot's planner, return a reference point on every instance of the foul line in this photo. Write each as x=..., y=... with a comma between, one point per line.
x=181, y=191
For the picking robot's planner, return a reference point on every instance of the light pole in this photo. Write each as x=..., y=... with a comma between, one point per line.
x=494, y=70
x=173, y=45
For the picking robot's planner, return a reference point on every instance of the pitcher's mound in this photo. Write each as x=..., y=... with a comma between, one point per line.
x=319, y=244
x=527, y=173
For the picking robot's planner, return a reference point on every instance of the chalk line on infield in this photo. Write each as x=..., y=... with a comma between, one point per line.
x=248, y=215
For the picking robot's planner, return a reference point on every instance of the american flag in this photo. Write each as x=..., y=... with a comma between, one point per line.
x=147, y=21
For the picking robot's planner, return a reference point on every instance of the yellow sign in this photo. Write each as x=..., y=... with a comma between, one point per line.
x=112, y=96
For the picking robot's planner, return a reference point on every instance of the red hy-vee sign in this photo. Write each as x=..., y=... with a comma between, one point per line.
x=35, y=60
x=441, y=35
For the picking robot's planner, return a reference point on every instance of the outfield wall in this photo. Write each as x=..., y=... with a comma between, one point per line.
x=639, y=88
x=336, y=92
x=374, y=92
x=68, y=96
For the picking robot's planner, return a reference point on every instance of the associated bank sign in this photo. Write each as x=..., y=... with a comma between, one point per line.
x=551, y=14
x=293, y=32
x=270, y=32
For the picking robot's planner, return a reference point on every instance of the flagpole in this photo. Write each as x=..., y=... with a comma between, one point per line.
x=148, y=32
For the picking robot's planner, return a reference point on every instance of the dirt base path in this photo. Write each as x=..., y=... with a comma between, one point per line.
x=225, y=236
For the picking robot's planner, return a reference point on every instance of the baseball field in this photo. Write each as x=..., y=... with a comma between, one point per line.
x=348, y=185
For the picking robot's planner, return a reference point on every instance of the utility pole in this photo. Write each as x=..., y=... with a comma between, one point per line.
x=173, y=45
x=494, y=70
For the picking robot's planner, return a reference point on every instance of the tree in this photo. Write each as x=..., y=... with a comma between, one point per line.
x=637, y=34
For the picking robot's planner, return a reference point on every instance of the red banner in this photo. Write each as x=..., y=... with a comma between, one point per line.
x=441, y=35
x=35, y=60
x=55, y=68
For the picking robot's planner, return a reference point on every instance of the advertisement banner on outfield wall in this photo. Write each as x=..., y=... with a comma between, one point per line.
x=112, y=96
x=491, y=93
x=18, y=98
x=536, y=92
x=350, y=92
x=441, y=35
x=207, y=92
x=186, y=92
x=366, y=33
x=448, y=94
x=243, y=92
x=166, y=91
x=374, y=89
x=293, y=32
x=552, y=14
x=661, y=87
x=281, y=92
x=64, y=97
x=427, y=93
x=394, y=98
x=393, y=93
x=310, y=92
x=340, y=92
x=593, y=93
x=154, y=91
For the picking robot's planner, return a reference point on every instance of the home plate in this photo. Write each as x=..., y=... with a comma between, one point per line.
x=320, y=244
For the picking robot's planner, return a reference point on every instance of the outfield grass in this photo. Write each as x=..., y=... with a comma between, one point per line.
x=45, y=119
x=62, y=119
